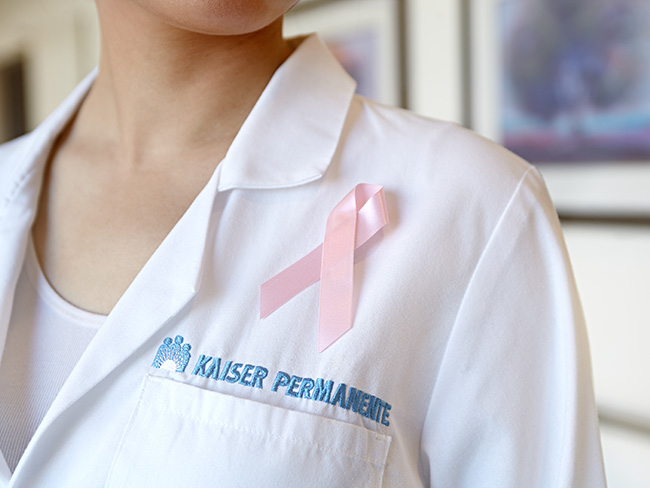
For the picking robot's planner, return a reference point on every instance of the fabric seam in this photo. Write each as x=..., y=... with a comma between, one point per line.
x=385, y=441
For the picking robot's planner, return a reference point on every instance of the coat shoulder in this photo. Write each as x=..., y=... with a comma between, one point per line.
x=438, y=151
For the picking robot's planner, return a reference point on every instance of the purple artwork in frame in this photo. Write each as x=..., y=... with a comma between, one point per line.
x=576, y=79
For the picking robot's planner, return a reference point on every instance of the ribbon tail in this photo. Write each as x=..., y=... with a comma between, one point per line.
x=336, y=287
x=288, y=283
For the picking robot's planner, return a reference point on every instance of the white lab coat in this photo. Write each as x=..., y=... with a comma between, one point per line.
x=467, y=324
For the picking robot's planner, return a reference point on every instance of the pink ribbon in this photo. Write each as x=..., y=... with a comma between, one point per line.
x=352, y=222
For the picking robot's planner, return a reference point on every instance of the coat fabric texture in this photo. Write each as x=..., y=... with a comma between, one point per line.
x=467, y=364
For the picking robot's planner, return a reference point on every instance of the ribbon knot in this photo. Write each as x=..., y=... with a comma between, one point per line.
x=353, y=221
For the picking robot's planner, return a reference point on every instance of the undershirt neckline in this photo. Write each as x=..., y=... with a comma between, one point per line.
x=59, y=304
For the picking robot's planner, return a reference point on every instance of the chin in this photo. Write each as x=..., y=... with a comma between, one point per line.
x=218, y=17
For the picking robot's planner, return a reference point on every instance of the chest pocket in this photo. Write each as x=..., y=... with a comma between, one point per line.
x=181, y=435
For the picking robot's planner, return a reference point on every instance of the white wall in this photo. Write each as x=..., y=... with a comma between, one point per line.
x=58, y=40
x=612, y=268
x=434, y=58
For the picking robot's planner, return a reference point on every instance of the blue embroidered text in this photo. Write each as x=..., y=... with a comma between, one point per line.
x=175, y=356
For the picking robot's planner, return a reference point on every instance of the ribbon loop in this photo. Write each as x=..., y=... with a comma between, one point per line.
x=359, y=216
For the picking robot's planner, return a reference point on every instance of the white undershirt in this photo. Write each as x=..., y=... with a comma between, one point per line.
x=46, y=338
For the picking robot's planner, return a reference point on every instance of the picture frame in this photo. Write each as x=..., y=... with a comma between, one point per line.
x=365, y=36
x=609, y=191
x=12, y=99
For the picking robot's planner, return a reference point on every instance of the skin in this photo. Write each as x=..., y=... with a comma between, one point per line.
x=147, y=138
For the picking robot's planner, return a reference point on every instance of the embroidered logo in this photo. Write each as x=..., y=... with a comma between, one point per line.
x=173, y=355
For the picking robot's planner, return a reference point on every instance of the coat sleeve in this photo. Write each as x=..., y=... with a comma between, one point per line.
x=513, y=402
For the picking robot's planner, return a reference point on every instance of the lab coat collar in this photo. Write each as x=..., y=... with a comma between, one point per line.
x=290, y=136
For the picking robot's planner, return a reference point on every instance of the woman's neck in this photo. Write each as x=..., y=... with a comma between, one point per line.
x=163, y=93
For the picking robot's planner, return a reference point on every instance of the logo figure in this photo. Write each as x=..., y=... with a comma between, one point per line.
x=173, y=356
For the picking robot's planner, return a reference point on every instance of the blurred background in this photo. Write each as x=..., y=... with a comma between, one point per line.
x=564, y=83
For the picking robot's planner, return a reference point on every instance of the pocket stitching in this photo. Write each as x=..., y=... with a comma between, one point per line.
x=269, y=435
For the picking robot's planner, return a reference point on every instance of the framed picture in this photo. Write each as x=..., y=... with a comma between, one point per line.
x=12, y=100
x=566, y=86
x=365, y=36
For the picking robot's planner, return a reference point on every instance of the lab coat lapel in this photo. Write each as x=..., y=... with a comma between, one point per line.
x=17, y=217
x=5, y=474
x=18, y=207
x=14, y=239
x=166, y=283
